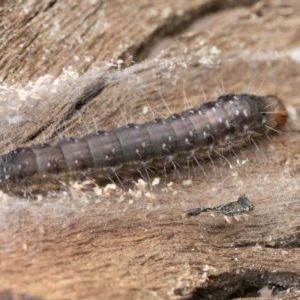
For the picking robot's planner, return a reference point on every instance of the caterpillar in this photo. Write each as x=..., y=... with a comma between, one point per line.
x=229, y=122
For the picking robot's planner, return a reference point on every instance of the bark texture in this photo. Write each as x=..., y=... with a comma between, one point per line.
x=72, y=67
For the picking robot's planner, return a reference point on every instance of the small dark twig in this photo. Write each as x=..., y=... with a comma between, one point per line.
x=240, y=207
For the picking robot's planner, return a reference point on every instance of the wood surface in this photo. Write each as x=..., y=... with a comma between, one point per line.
x=72, y=67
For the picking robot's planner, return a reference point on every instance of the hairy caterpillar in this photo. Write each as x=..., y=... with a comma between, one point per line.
x=229, y=122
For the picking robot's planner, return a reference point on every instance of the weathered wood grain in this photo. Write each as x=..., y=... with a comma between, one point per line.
x=82, y=243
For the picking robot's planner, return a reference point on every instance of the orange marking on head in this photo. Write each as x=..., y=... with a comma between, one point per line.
x=280, y=112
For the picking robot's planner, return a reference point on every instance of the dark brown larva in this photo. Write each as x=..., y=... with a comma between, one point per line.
x=229, y=122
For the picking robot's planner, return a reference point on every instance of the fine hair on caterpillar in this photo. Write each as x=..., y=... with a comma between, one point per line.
x=214, y=128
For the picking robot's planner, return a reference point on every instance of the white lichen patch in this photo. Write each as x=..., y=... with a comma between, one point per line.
x=109, y=189
x=169, y=188
x=4, y=198
x=141, y=184
x=139, y=192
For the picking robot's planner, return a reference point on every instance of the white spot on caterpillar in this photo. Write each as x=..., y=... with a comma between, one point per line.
x=155, y=181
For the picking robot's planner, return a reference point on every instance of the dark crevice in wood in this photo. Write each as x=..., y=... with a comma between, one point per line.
x=50, y=5
x=88, y=94
x=245, y=284
x=38, y=11
x=175, y=25
x=31, y=17
x=287, y=243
